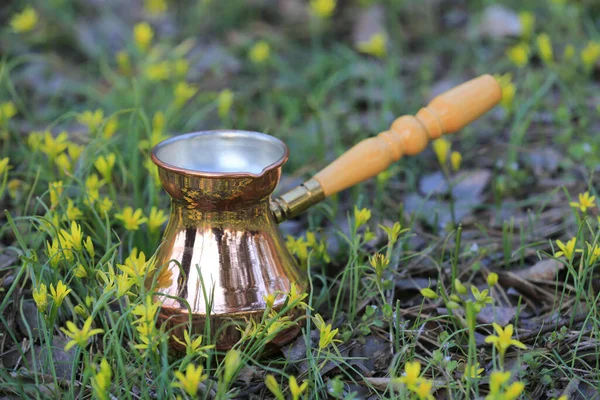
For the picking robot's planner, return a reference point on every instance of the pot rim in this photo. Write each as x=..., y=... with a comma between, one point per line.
x=212, y=174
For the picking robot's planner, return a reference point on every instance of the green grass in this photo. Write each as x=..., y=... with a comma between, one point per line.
x=320, y=95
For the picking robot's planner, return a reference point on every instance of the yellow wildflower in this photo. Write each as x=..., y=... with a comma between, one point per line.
x=101, y=381
x=181, y=67
x=296, y=390
x=375, y=46
x=89, y=247
x=481, y=298
x=24, y=21
x=585, y=201
x=53, y=253
x=155, y=7
x=105, y=165
x=455, y=160
x=80, y=271
x=78, y=336
x=72, y=213
x=136, y=265
x=93, y=183
x=379, y=262
x=593, y=252
x=59, y=292
x=567, y=250
x=232, y=363
x=56, y=190
x=326, y=334
x=145, y=324
x=124, y=283
x=63, y=163
x=91, y=119
x=473, y=371
x=441, y=148
x=193, y=347
x=527, y=21
x=361, y=217
x=190, y=381
x=544, y=46
x=105, y=205
x=504, y=339
x=123, y=62
x=51, y=146
x=142, y=35
x=224, y=101
x=492, y=279
x=497, y=380
x=590, y=54
x=7, y=111
x=75, y=151
x=158, y=72
x=156, y=219
x=322, y=8
x=110, y=127
x=423, y=390
x=183, y=92
x=519, y=54
x=411, y=376
x=273, y=386
x=74, y=238
x=40, y=296
x=260, y=52
x=4, y=167
x=131, y=219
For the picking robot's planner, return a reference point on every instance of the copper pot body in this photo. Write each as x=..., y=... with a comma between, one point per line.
x=222, y=252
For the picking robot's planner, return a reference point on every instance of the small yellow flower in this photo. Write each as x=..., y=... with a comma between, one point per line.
x=590, y=54
x=423, y=390
x=273, y=386
x=232, y=362
x=183, y=92
x=473, y=372
x=519, y=54
x=142, y=35
x=80, y=271
x=40, y=296
x=326, y=334
x=441, y=148
x=59, y=292
x=34, y=140
x=156, y=219
x=136, y=265
x=361, y=217
x=155, y=7
x=181, y=67
x=13, y=186
x=158, y=72
x=89, y=247
x=455, y=160
x=379, y=262
x=131, y=219
x=190, y=381
x=78, y=336
x=567, y=250
x=497, y=380
x=544, y=46
x=411, y=376
x=295, y=390
x=585, y=201
x=569, y=52
x=72, y=239
x=593, y=252
x=4, y=167
x=123, y=283
x=72, y=213
x=260, y=52
x=105, y=165
x=51, y=146
x=24, y=21
x=110, y=127
x=224, y=101
x=7, y=111
x=492, y=279
x=429, y=293
x=63, y=163
x=105, y=205
x=481, y=298
x=75, y=151
x=322, y=8
x=375, y=46
x=527, y=21
x=193, y=347
x=91, y=119
x=56, y=190
x=504, y=339
x=123, y=63
x=101, y=381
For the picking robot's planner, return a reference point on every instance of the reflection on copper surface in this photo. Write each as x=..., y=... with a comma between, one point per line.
x=221, y=233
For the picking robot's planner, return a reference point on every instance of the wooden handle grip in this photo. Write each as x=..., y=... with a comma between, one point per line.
x=409, y=135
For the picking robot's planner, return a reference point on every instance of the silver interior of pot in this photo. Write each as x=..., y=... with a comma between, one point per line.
x=222, y=151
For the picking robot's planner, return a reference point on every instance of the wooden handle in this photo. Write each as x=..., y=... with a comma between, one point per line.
x=409, y=135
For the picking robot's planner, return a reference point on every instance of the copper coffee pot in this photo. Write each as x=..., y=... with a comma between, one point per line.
x=222, y=238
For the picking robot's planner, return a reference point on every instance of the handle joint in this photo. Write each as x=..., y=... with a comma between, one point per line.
x=292, y=203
